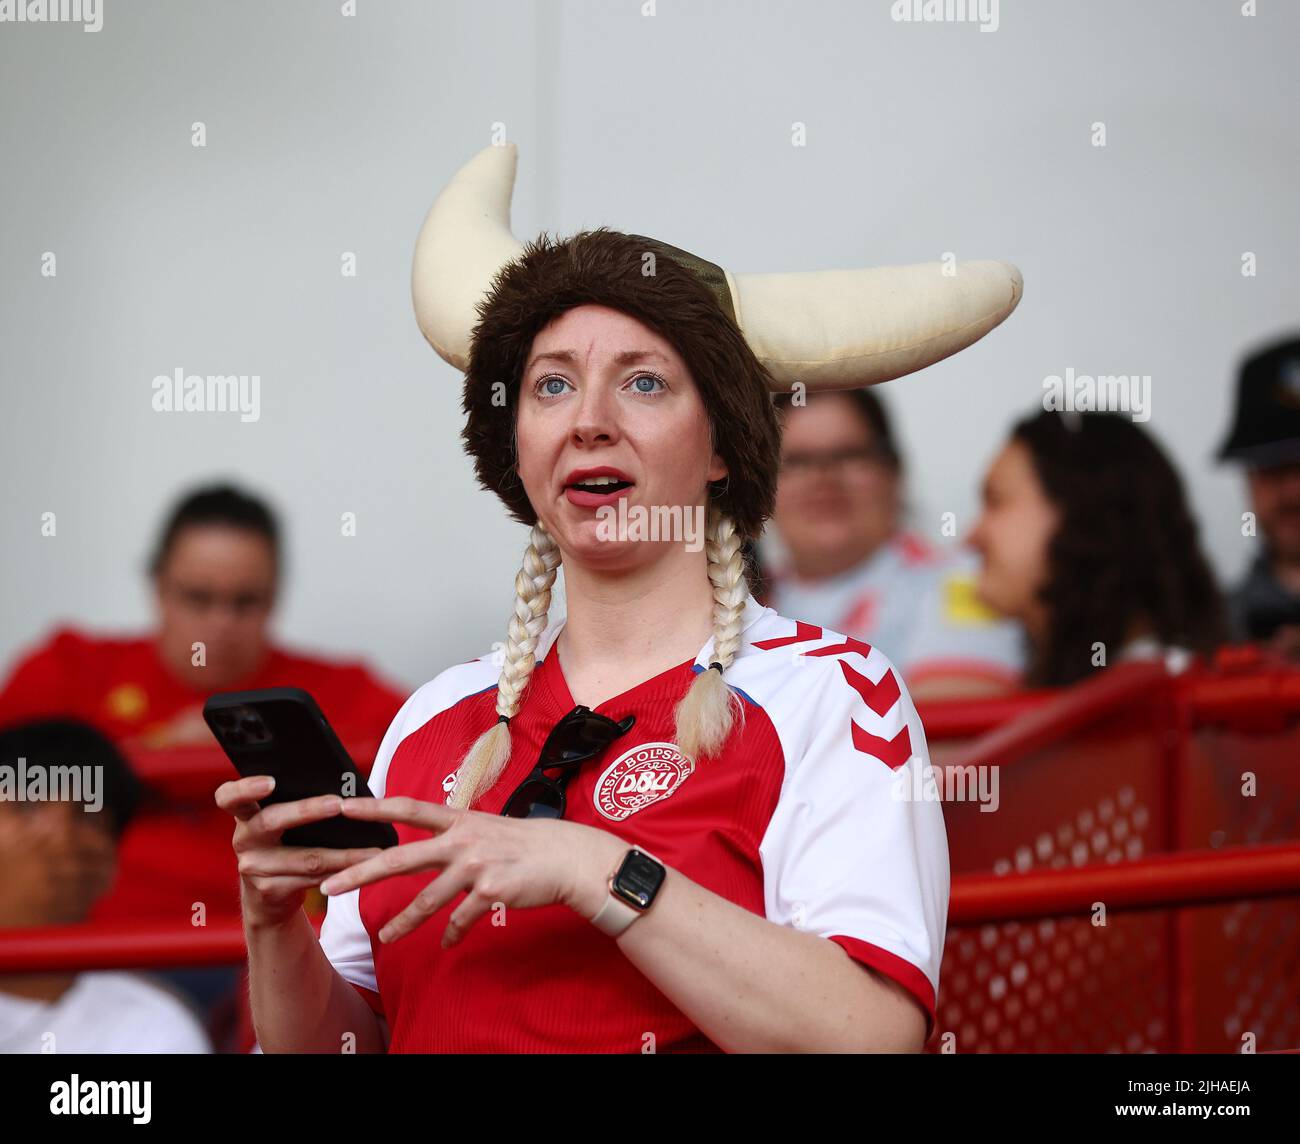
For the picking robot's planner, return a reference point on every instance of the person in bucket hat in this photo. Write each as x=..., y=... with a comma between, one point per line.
x=1265, y=440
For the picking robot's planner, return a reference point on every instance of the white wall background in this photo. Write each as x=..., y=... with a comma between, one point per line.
x=329, y=134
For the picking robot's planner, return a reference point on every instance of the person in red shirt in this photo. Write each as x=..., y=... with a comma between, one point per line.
x=216, y=577
x=668, y=822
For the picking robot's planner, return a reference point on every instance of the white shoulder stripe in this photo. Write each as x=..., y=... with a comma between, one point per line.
x=438, y=695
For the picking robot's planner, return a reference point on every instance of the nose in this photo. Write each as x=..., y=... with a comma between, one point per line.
x=595, y=417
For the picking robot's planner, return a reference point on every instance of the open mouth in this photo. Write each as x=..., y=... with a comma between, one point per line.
x=595, y=489
x=600, y=485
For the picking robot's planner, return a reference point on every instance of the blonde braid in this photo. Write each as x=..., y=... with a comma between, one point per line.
x=487, y=758
x=707, y=712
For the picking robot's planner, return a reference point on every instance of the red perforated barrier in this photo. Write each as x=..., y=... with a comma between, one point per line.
x=1134, y=764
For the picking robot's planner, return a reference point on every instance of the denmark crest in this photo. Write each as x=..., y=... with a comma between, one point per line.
x=644, y=775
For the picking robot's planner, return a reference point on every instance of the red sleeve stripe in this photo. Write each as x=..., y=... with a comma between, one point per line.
x=848, y=647
x=803, y=633
x=880, y=697
x=892, y=752
x=896, y=969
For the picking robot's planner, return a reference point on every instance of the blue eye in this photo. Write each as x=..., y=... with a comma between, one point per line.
x=545, y=387
x=650, y=377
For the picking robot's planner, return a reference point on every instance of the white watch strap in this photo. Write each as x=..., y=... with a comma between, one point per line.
x=614, y=916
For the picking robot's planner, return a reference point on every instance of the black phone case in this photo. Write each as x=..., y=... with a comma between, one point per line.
x=280, y=731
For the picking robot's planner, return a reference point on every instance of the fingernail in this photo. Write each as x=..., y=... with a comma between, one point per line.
x=266, y=783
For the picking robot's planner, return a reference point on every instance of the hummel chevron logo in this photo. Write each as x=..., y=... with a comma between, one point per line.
x=849, y=645
x=880, y=697
x=803, y=633
x=806, y=633
x=892, y=752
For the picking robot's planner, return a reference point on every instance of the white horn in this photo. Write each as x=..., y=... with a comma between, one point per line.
x=464, y=241
x=842, y=329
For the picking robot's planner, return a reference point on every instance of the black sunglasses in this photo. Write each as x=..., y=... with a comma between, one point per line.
x=579, y=736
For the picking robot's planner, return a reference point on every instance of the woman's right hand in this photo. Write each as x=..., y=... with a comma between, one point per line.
x=274, y=879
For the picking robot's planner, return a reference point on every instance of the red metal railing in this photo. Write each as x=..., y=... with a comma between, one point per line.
x=1243, y=688
x=1195, y=878
x=977, y=899
x=1189, y=773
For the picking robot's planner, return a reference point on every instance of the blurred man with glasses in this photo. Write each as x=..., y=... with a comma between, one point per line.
x=844, y=559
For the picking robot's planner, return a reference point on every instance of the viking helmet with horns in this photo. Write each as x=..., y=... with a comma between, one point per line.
x=829, y=329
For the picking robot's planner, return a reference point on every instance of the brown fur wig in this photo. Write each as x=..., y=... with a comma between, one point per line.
x=604, y=267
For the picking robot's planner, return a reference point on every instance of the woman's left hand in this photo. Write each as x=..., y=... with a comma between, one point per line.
x=517, y=862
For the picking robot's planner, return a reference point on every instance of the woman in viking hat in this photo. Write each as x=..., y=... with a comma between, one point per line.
x=673, y=820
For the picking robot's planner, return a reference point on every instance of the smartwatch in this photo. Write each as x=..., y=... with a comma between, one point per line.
x=632, y=891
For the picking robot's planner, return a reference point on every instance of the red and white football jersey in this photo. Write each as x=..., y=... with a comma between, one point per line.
x=803, y=818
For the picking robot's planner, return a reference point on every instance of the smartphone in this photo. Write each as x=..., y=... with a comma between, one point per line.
x=281, y=732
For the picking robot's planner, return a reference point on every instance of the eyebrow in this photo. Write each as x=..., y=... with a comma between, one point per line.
x=627, y=357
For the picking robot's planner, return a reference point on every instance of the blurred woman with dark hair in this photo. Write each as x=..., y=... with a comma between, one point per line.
x=1087, y=540
x=216, y=571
